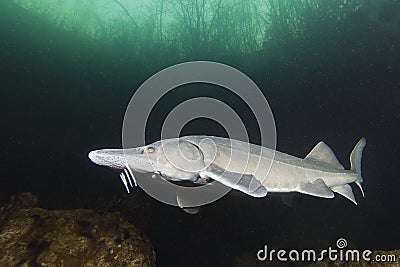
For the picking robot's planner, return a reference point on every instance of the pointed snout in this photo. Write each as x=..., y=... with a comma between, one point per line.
x=93, y=156
x=120, y=158
x=113, y=158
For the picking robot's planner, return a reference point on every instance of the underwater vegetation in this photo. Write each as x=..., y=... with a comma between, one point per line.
x=190, y=28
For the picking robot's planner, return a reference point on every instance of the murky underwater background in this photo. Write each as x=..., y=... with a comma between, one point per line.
x=330, y=71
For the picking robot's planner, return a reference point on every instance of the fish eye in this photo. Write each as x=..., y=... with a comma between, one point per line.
x=150, y=149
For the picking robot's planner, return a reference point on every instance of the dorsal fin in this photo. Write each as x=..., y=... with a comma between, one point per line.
x=323, y=153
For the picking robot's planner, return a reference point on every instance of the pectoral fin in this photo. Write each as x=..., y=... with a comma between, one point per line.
x=181, y=203
x=246, y=183
x=316, y=188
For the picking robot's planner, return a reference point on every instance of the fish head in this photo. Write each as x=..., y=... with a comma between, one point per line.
x=176, y=159
x=173, y=159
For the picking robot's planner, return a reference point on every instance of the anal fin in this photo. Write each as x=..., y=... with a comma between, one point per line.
x=346, y=191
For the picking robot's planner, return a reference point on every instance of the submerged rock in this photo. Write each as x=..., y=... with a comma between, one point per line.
x=32, y=236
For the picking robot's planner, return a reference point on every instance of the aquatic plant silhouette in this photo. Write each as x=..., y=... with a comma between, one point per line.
x=160, y=32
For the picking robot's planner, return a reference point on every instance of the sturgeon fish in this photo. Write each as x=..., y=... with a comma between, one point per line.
x=249, y=168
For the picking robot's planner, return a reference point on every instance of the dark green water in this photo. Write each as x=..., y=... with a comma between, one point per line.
x=63, y=95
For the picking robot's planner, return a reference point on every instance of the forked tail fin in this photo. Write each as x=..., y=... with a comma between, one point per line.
x=355, y=161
